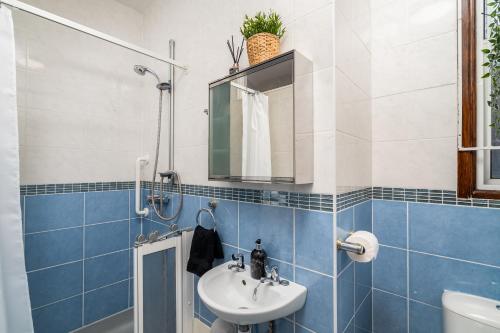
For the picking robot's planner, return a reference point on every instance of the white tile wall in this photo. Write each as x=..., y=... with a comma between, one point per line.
x=353, y=95
x=421, y=114
x=391, y=78
x=110, y=16
x=414, y=88
x=85, y=116
x=200, y=29
x=81, y=105
x=424, y=163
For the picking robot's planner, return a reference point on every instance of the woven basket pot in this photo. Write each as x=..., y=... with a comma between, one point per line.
x=262, y=46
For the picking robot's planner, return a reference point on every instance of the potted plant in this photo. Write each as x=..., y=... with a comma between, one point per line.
x=263, y=33
x=492, y=64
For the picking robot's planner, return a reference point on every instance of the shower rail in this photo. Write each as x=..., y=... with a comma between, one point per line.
x=89, y=31
x=161, y=237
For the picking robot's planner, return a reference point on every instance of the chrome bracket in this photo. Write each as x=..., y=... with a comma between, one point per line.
x=351, y=247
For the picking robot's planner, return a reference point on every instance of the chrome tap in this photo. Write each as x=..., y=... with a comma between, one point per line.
x=273, y=277
x=239, y=263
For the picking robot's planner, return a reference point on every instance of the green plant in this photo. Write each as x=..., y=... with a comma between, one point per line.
x=492, y=63
x=262, y=22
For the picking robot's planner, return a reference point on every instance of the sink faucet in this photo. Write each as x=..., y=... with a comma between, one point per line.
x=273, y=277
x=239, y=262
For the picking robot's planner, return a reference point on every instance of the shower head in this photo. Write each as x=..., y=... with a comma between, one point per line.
x=141, y=70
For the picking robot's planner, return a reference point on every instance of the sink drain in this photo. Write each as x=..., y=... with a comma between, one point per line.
x=243, y=308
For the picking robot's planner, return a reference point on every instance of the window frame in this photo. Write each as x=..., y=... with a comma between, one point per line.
x=468, y=172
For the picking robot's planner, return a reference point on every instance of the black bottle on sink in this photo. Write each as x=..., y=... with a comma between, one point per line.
x=258, y=261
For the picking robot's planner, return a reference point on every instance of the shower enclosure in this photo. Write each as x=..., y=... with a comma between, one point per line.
x=159, y=270
x=84, y=117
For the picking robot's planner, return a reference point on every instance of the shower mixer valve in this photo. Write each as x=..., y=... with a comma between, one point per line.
x=165, y=199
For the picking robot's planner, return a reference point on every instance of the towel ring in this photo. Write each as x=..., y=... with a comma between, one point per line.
x=209, y=211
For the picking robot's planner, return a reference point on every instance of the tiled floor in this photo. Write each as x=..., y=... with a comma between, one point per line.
x=122, y=322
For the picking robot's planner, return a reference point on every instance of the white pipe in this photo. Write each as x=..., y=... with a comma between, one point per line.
x=171, y=118
x=478, y=148
x=138, y=166
x=89, y=31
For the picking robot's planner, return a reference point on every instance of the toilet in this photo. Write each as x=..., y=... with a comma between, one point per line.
x=463, y=313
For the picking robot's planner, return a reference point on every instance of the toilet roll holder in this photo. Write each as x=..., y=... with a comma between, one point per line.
x=351, y=247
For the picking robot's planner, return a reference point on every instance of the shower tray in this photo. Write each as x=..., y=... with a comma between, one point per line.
x=122, y=322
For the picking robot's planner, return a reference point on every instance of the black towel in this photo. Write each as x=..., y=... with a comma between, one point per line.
x=205, y=247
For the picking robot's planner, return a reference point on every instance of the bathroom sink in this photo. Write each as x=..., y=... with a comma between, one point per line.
x=229, y=295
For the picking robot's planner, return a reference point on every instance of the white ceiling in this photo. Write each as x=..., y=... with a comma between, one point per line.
x=139, y=5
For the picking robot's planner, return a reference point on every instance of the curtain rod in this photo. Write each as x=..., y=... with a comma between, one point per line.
x=89, y=31
x=246, y=89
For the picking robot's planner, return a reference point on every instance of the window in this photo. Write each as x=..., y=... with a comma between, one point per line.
x=488, y=161
x=478, y=169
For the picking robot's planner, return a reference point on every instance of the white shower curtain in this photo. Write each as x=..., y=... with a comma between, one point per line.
x=256, y=141
x=15, y=310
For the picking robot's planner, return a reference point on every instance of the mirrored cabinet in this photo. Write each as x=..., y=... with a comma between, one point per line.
x=261, y=123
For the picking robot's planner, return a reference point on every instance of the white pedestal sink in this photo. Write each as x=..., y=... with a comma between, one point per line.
x=229, y=295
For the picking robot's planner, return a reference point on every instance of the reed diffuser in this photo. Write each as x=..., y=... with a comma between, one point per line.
x=235, y=54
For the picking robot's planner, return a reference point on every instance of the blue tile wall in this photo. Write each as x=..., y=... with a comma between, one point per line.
x=390, y=271
x=424, y=318
x=317, y=313
x=103, y=302
x=345, y=225
x=50, y=212
x=426, y=248
x=363, y=280
x=448, y=238
x=45, y=249
x=354, y=280
x=274, y=225
x=79, y=258
x=389, y=222
x=77, y=248
x=363, y=315
x=50, y=285
x=106, y=237
x=345, y=298
x=314, y=240
x=106, y=269
x=389, y=313
x=298, y=241
x=59, y=317
x=106, y=206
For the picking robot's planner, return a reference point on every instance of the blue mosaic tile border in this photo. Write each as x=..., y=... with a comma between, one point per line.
x=430, y=196
x=351, y=198
x=442, y=197
x=75, y=187
x=309, y=201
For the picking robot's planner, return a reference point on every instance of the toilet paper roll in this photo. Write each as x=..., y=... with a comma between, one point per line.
x=369, y=242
